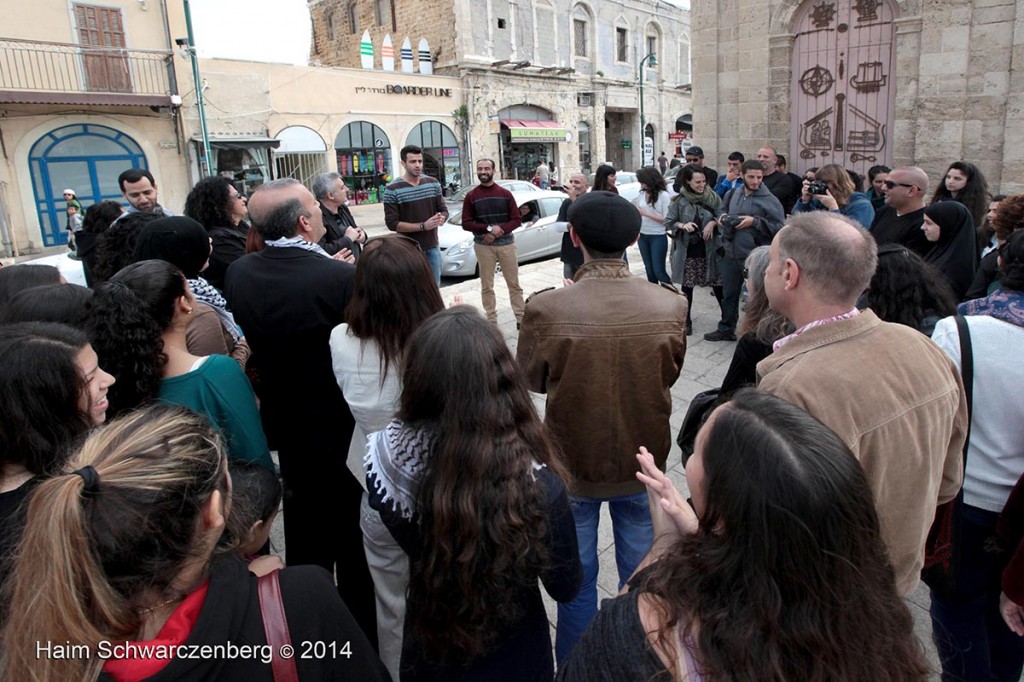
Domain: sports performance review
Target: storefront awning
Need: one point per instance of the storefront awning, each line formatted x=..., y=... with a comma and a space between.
x=218, y=142
x=534, y=131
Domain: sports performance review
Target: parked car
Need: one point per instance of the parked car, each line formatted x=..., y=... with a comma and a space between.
x=540, y=239
x=621, y=178
x=454, y=202
x=70, y=269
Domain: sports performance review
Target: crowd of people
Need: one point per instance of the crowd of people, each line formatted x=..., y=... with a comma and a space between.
x=867, y=436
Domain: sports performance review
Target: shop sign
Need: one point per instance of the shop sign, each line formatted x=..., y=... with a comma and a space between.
x=677, y=136
x=627, y=144
x=537, y=134
x=449, y=152
x=406, y=90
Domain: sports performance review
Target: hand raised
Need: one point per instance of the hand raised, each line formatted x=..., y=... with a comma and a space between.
x=671, y=514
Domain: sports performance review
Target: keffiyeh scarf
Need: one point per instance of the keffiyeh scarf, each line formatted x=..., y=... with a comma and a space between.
x=298, y=243
x=208, y=294
x=396, y=461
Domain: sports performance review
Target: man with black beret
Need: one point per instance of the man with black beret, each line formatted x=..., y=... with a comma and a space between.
x=606, y=351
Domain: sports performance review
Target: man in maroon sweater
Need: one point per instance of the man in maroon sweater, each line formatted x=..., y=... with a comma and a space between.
x=490, y=213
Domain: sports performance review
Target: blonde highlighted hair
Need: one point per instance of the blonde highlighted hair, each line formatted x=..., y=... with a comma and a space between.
x=95, y=558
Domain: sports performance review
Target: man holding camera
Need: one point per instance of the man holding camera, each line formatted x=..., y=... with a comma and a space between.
x=750, y=217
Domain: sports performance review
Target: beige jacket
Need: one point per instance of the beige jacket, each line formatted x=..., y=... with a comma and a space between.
x=896, y=399
x=606, y=350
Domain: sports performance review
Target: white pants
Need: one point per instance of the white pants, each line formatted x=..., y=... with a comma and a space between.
x=389, y=568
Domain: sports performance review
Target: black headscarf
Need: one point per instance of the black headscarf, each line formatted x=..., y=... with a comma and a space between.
x=955, y=255
x=180, y=241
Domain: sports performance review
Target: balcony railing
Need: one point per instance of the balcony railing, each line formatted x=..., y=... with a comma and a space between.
x=38, y=67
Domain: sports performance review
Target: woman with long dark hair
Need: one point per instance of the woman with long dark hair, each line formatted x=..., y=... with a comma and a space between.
x=908, y=291
x=394, y=294
x=954, y=253
x=964, y=183
x=16, y=278
x=119, y=559
x=64, y=303
x=604, y=179
x=52, y=391
x=115, y=247
x=139, y=326
x=777, y=572
x=98, y=218
x=652, y=202
x=468, y=482
x=216, y=205
x=690, y=223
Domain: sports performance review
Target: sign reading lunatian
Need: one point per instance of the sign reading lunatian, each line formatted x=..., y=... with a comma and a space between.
x=406, y=90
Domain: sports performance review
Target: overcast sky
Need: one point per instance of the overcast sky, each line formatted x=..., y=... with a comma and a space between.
x=260, y=30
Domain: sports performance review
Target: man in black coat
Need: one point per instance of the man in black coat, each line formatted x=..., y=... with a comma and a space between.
x=342, y=232
x=288, y=298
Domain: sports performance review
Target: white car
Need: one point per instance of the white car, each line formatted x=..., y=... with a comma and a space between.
x=70, y=269
x=540, y=239
x=454, y=202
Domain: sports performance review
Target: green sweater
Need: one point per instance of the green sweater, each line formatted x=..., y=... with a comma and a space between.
x=220, y=390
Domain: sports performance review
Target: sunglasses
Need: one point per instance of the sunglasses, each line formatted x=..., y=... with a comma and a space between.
x=892, y=183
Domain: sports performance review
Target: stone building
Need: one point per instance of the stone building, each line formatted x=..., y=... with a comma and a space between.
x=557, y=80
x=861, y=82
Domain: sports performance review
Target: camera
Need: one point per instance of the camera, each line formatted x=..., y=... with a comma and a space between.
x=817, y=187
x=730, y=222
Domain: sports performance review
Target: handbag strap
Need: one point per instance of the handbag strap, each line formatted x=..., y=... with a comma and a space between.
x=275, y=626
x=967, y=373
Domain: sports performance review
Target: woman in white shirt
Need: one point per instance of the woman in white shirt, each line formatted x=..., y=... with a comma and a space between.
x=394, y=293
x=653, y=205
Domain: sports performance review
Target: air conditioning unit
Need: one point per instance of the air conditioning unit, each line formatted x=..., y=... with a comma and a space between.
x=585, y=100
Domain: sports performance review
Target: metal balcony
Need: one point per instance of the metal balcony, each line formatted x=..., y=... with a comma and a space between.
x=38, y=72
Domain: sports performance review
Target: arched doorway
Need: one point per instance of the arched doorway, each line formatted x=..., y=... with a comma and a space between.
x=844, y=85
x=364, y=160
x=302, y=154
x=441, y=157
x=86, y=158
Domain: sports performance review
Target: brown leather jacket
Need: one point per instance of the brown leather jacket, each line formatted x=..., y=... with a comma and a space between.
x=606, y=350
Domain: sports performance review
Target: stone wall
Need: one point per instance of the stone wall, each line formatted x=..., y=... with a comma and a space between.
x=416, y=19
x=958, y=95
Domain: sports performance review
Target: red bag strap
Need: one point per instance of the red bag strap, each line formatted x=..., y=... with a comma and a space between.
x=275, y=626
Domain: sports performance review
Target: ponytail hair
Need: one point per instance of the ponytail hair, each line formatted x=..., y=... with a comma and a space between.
x=128, y=317
x=102, y=547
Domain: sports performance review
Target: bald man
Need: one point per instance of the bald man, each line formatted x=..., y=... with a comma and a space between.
x=571, y=256
x=288, y=298
x=900, y=220
x=785, y=188
x=890, y=393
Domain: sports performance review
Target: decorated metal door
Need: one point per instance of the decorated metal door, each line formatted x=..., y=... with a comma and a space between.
x=844, y=85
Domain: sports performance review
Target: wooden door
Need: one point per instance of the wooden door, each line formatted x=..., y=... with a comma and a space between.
x=106, y=68
x=844, y=85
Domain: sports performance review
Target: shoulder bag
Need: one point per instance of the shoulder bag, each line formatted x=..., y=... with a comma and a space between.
x=275, y=626
x=942, y=548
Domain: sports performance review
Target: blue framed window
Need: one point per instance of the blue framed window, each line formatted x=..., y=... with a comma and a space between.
x=86, y=158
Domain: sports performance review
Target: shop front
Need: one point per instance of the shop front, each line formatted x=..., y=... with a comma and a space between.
x=441, y=156
x=364, y=161
x=243, y=158
x=526, y=143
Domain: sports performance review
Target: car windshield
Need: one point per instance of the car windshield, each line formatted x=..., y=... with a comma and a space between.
x=455, y=218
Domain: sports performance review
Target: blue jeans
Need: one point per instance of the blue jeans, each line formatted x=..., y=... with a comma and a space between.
x=634, y=534
x=654, y=251
x=434, y=259
x=732, y=283
x=973, y=642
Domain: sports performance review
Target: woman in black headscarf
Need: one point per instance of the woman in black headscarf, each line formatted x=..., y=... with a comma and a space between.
x=949, y=227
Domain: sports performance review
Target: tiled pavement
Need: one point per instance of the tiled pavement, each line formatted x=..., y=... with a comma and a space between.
x=705, y=366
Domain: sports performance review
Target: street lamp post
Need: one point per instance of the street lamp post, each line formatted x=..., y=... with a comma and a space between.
x=204, y=165
x=653, y=61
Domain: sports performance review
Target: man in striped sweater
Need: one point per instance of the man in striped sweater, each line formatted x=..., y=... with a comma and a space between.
x=490, y=213
x=414, y=206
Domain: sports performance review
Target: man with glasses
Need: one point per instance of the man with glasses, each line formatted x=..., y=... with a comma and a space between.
x=900, y=220
x=695, y=157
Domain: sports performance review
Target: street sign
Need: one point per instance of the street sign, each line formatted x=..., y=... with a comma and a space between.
x=648, y=151
x=627, y=144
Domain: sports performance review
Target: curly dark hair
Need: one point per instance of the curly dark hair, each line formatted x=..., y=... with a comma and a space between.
x=40, y=392
x=208, y=201
x=115, y=248
x=99, y=217
x=906, y=290
x=1009, y=217
x=1011, y=270
x=787, y=576
x=974, y=195
x=481, y=512
x=126, y=324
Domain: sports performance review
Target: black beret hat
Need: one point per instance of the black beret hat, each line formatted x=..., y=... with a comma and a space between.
x=605, y=221
x=180, y=241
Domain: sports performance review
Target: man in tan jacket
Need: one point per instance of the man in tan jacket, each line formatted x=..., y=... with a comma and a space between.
x=890, y=393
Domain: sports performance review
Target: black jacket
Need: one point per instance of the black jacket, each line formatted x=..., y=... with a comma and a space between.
x=336, y=224
x=315, y=613
x=228, y=246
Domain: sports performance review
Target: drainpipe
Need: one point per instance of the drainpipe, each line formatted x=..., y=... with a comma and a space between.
x=204, y=168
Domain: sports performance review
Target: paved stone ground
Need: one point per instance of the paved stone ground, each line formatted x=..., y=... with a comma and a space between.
x=705, y=366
